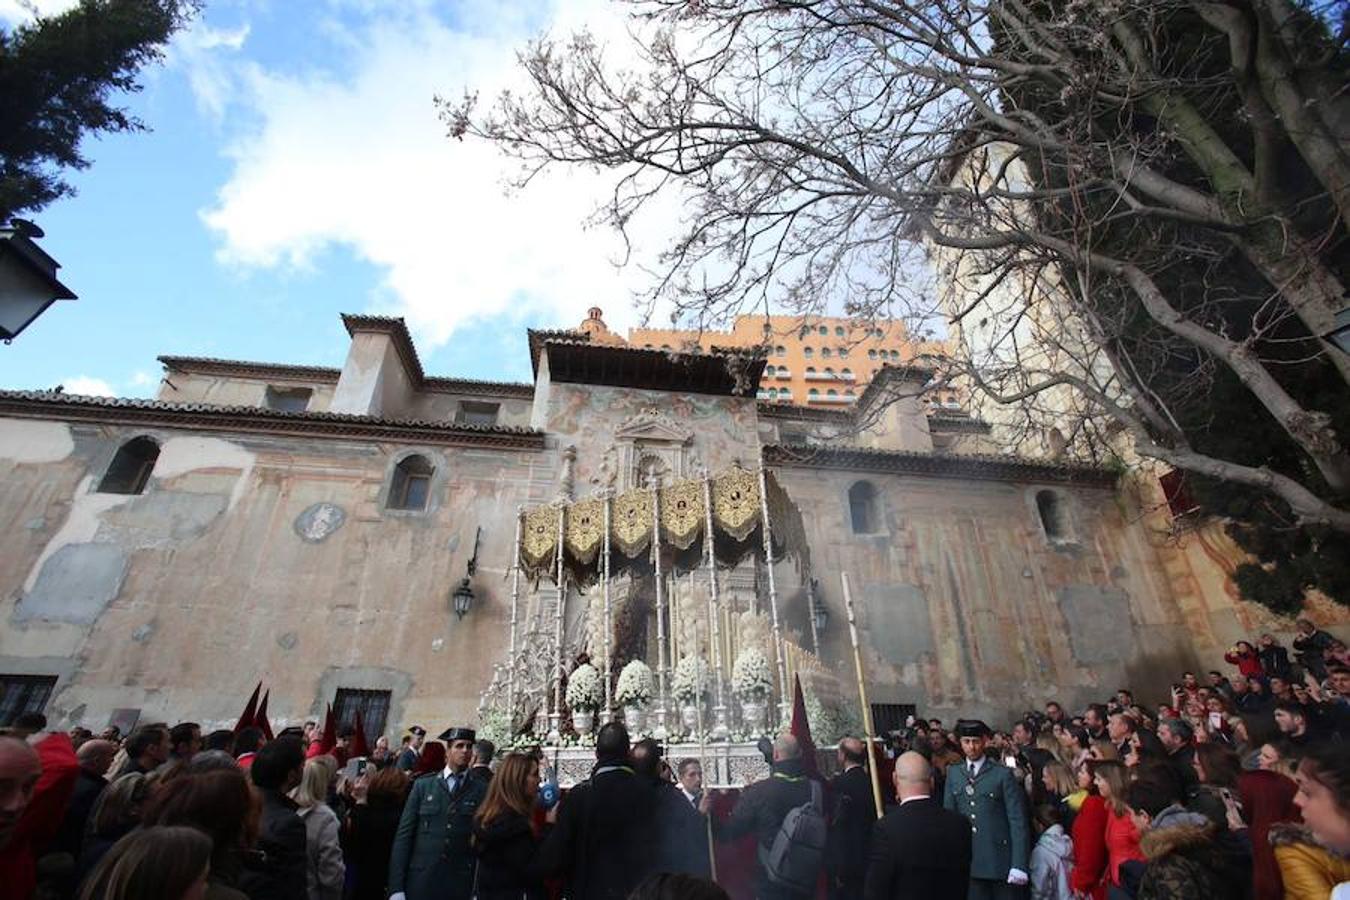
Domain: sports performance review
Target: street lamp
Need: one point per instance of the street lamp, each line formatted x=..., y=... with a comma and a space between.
x=462, y=597
x=821, y=614
x=28, y=282
x=1340, y=335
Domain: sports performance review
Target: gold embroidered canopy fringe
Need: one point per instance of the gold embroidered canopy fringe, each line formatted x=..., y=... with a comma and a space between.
x=735, y=520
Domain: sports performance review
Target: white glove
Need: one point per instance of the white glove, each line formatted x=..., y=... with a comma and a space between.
x=1015, y=876
x=399, y=896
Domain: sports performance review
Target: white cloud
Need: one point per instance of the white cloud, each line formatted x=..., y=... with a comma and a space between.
x=85, y=386
x=143, y=380
x=362, y=161
x=16, y=12
x=207, y=57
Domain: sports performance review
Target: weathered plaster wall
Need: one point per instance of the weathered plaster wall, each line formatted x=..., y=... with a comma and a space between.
x=184, y=387
x=965, y=606
x=255, y=556
x=228, y=569
x=441, y=406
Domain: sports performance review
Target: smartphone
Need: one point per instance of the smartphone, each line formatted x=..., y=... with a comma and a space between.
x=1010, y=761
x=356, y=767
x=548, y=789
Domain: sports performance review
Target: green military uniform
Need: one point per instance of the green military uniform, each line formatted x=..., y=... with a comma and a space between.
x=431, y=858
x=996, y=807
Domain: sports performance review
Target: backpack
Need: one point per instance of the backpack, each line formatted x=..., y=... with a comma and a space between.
x=798, y=850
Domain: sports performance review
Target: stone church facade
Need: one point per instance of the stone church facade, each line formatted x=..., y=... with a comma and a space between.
x=308, y=527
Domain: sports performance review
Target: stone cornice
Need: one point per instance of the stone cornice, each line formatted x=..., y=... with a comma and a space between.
x=198, y=416
x=238, y=368
x=949, y=423
x=937, y=465
x=277, y=371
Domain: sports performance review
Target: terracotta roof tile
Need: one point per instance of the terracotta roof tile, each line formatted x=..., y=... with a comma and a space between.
x=254, y=418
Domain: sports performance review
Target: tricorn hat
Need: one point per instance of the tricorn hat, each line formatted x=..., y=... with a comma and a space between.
x=418, y=730
x=455, y=733
x=971, y=728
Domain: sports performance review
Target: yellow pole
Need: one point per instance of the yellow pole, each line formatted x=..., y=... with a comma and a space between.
x=862, y=696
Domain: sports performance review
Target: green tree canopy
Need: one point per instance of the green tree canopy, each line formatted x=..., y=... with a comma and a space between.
x=58, y=77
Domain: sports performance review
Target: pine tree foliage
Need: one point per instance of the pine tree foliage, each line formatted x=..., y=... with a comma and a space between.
x=58, y=79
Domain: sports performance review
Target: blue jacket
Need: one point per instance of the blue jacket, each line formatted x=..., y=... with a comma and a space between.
x=996, y=807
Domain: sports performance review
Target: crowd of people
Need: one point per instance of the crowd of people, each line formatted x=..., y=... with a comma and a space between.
x=1234, y=787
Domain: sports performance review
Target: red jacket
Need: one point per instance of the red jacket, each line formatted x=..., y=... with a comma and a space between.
x=1248, y=664
x=40, y=821
x=1089, y=848
x=1122, y=843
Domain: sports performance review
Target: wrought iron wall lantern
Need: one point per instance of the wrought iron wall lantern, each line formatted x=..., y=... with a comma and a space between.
x=462, y=598
x=820, y=613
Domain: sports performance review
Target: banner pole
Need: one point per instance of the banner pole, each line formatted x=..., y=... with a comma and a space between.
x=862, y=697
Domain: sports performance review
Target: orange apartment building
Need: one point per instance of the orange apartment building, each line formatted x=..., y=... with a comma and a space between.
x=812, y=360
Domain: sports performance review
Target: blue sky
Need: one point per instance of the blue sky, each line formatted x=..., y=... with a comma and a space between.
x=296, y=170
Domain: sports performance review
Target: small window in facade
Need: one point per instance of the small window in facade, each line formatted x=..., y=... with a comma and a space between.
x=888, y=717
x=411, y=484
x=814, y=392
x=21, y=694
x=780, y=350
x=895, y=354
x=767, y=328
x=476, y=412
x=838, y=331
x=843, y=351
x=862, y=508
x=849, y=393
x=1053, y=516
x=291, y=400
x=130, y=469
x=822, y=330
x=810, y=370
x=769, y=370
x=665, y=347
x=829, y=371
x=846, y=371
x=831, y=393
x=808, y=352
x=872, y=354
x=825, y=353
x=373, y=706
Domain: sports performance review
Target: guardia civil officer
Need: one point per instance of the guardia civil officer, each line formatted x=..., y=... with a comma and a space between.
x=986, y=793
x=431, y=858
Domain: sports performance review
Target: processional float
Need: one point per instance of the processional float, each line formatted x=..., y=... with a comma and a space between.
x=686, y=529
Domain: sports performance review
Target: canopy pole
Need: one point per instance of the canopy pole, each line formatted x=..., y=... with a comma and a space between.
x=555, y=717
x=720, y=730
x=515, y=619
x=659, y=732
x=773, y=591
x=609, y=626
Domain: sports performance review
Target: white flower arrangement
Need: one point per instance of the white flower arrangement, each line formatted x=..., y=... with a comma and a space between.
x=584, y=688
x=636, y=684
x=692, y=680
x=750, y=676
